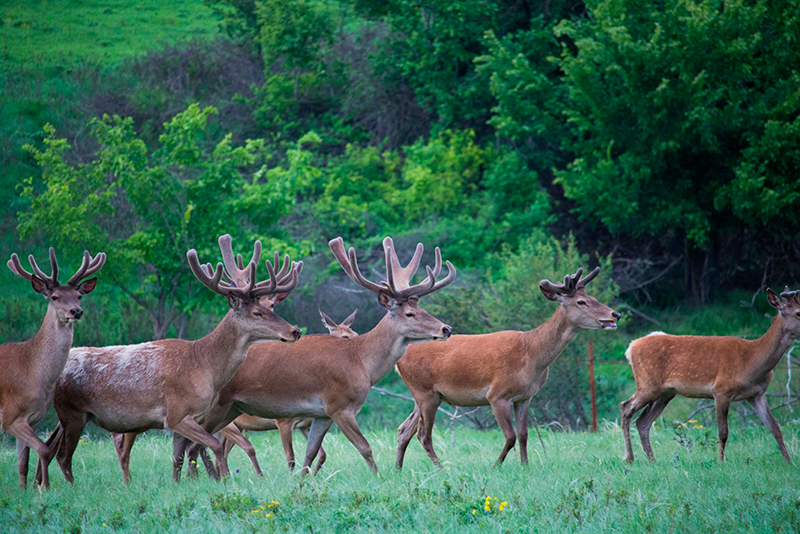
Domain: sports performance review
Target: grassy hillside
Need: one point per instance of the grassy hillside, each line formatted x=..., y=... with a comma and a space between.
x=104, y=31
x=577, y=484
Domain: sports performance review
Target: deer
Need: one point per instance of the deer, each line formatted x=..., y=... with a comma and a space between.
x=173, y=383
x=723, y=368
x=328, y=378
x=503, y=369
x=31, y=368
x=284, y=426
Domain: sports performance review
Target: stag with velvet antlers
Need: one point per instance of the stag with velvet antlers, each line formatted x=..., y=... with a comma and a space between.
x=31, y=368
x=232, y=435
x=328, y=378
x=723, y=368
x=173, y=383
x=503, y=369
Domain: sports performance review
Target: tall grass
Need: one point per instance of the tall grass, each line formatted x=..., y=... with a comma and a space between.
x=578, y=483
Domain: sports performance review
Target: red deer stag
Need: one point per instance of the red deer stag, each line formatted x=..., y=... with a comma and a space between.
x=327, y=378
x=284, y=426
x=723, y=368
x=173, y=383
x=503, y=369
x=30, y=369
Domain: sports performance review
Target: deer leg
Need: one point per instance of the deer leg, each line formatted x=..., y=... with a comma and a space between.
x=759, y=403
x=26, y=440
x=405, y=432
x=235, y=435
x=319, y=427
x=650, y=414
x=23, y=455
x=721, y=404
x=179, y=446
x=123, y=443
x=285, y=428
x=627, y=409
x=346, y=421
x=66, y=449
x=52, y=442
x=191, y=430
x=427, y=414
x=502, y=412
x=521, y=418
x=322, y=454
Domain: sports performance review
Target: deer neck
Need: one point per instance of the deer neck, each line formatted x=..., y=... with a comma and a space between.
x=50, y=347
x=547, y=341
x=224, y=349
x=380, y=348
x=770, y=348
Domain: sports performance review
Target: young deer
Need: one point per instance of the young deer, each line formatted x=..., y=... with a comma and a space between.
x=30, y=369
x=285, y=426
x=173, y=383
x=503, y=369
x=327, y=378
x=723, y=368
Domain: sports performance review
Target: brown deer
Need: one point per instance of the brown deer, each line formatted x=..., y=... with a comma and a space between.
x=173, y=383
x=723, y=368
x=30, y=369
x=503, y=369
x=328, y=378
x=284, y=426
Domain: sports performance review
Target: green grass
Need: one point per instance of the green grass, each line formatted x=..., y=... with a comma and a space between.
x=578, y=484
x=104, y=31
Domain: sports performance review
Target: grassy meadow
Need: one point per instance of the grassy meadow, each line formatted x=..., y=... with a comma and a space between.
x=578, y=483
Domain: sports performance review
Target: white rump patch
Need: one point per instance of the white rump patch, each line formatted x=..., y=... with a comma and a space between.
x=628, y=352
x=657, y=333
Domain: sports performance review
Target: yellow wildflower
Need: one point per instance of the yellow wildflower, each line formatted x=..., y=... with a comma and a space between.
x=254, y=511
x=503, y=505
x=473, y=511
x=269, y=515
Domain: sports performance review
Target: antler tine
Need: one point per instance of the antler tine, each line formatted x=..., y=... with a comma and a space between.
x=432, y=274
x=51, y=280
x=16, y=268
x=238, y=276
x=788, y=294
x=350, y=265
x=211, y=282
x=399, y=279
x=274, y=285
x=54, y=264
x=88, y=267
x=589, y=277
x=285, y=268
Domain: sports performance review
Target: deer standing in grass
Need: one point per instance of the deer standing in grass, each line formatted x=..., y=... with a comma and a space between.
x=503, y=369
x=723, y=368
x=30, y=369
x=173, y=383
x=284, y=426
x=328, y=378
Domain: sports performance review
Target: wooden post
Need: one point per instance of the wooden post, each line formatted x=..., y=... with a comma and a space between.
x=591, y=387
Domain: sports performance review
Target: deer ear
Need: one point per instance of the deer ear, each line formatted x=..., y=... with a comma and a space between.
x=233, y=301
x=329, y=324
x=549, y=295
x=87, y=286
x=774, y=300
x=350, y=318
x=280, y=297
x=39, y=286
x=387, y=301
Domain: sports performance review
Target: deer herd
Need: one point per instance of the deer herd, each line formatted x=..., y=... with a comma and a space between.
x=230, y=380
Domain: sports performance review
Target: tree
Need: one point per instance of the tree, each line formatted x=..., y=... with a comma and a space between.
x=146, y=208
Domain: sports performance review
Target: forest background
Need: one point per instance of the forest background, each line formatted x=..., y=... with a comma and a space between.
x=659, y=140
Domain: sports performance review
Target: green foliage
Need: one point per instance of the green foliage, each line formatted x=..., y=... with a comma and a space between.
x=179, y=196
x=663, y=99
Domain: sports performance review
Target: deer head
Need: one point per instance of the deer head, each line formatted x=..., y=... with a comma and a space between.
x=64, y=300
x=583, y=311
x=396, y=294
x=342, y=330
x=788, y=306
x=252, y=302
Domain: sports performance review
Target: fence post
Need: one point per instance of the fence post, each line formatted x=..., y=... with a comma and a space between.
x=591, y=387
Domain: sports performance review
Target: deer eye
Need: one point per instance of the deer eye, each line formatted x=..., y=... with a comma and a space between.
x=581, y=303
x=54, y=298
x=258, y=314
x=409, y=314
x=345, y=337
